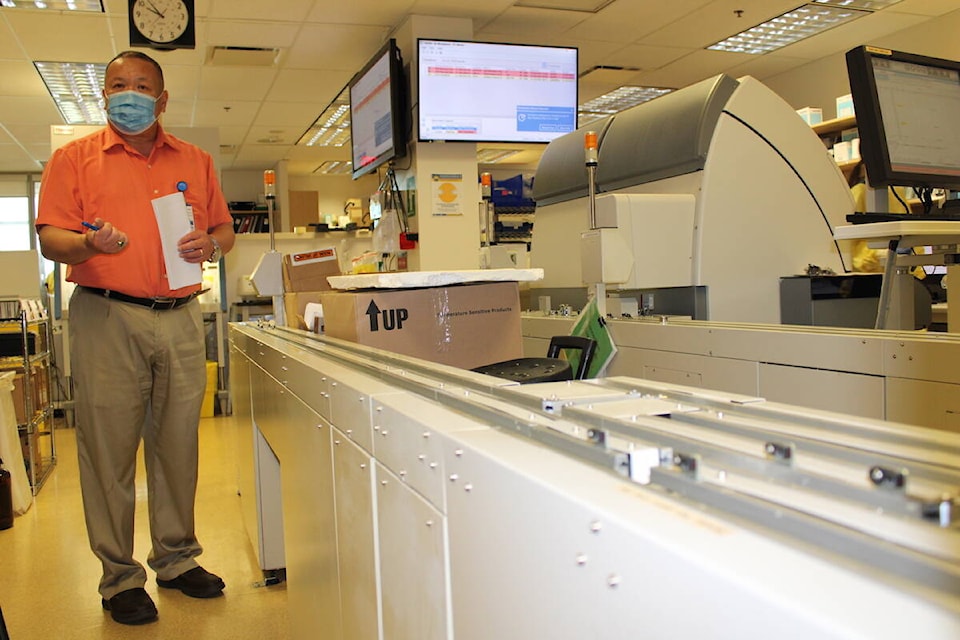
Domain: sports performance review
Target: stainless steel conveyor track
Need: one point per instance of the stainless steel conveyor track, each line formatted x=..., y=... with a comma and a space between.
x=880, y=494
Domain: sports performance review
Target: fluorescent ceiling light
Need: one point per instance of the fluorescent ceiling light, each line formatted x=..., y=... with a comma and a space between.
x=791, y=27
x=869, y=5
x=77, y=89
x=55, y=5
x=335, y=167
x=615, y=101
x=493, y=156
x=332, y=128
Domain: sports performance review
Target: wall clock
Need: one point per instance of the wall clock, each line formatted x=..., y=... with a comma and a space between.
x=162, y=24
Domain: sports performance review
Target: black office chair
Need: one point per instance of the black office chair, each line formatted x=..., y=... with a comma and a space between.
x=549, y=369
x=586, y=347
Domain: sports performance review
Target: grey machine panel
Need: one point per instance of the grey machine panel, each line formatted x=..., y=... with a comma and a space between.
x=659, y=139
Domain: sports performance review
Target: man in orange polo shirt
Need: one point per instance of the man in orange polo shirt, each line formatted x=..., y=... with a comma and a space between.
x=137, y=342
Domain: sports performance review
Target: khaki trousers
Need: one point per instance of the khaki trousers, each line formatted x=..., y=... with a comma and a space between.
x=138, y=374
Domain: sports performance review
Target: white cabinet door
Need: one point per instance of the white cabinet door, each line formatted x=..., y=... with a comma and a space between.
x=413, y=563
x=359, y=593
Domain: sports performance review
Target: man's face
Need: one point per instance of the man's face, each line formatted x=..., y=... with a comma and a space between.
x=133, y=74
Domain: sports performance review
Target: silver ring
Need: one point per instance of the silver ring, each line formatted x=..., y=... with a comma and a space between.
x=121, y=243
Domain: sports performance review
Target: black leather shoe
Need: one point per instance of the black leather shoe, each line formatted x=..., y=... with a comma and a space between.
x=196, y=583
x=132, y=606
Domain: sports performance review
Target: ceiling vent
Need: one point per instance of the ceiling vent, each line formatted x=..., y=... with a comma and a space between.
x=243, y=56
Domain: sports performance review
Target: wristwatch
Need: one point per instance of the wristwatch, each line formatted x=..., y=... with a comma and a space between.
x=217, y=252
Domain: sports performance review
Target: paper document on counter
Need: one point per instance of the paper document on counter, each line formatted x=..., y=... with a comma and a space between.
x=174, y=222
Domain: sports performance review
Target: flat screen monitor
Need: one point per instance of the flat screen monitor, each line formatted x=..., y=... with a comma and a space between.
x=908, y=113
x=377, y=118
x=489, y=92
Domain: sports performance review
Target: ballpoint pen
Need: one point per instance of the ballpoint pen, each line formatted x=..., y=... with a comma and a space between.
x=90, y=226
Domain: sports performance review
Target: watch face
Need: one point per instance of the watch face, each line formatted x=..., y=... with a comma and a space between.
x=160, y=20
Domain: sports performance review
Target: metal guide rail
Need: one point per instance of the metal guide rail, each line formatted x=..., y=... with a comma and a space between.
x=879, y=493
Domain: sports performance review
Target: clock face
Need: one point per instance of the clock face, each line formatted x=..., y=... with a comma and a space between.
x=160, y=20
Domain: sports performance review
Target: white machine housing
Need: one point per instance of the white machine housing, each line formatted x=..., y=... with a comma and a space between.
x=767, y=197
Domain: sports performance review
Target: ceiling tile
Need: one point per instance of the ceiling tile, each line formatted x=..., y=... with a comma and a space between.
x=31, y=133
x=387, y=13
x=696, y=66
x=344, y=48
x=29, y=110
x=771, y=64
x=285, y=10
x=235, y=83
x=22, y=79
x=298, y=115
x=532, y=23
x=14, y=159
x=627, y=20
x=225, y=113
x=62, y=37
x=260, y=33
x=308, y=85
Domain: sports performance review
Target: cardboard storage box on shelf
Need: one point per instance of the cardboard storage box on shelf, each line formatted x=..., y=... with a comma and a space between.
x=810, y=115
x=845, y=106
x=295, y=306
x=467, y=325
x=308, y=271
x=39, y=393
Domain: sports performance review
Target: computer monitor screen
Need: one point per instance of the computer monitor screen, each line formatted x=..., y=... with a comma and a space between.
x=377, y=131
x=490, y=92
x=907, y=108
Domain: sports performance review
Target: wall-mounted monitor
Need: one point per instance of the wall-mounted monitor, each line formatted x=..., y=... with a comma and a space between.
x=377, y=112
x=908, y=114
x=489, y=92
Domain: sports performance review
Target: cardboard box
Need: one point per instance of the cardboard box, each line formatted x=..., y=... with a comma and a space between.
x=810, y=115
x=464, y=326
x=845, y=106
x=308, y=271
x=19, y=399
x=295, y=305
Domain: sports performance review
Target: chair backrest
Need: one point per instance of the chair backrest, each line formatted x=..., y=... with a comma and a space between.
x=586, y=346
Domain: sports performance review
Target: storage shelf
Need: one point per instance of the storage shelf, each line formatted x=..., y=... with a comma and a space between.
x=32, y=395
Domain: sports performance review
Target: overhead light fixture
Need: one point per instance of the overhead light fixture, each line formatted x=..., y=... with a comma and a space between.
x=615, y=101
x=76, y=88
x=786, y=29
x=493, y=156
x=335, y=168
x=868, y=5
x=95, y=6
x=332, y=127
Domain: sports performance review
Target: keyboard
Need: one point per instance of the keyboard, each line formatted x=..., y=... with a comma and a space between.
x=867, y=218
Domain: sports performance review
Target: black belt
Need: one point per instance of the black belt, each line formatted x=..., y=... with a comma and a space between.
x=160, y=304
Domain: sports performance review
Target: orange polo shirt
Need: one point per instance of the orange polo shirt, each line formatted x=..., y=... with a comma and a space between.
x=101, y=176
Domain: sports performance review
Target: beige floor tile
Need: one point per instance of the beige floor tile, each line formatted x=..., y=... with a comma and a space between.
x=49, y=576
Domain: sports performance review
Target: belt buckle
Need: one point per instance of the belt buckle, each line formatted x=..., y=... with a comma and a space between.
x=163, y=303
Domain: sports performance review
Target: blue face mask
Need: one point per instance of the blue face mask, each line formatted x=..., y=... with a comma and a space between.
x=131, y=112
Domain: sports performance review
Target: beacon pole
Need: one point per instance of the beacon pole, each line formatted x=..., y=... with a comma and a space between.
x=267, y=276
x=486, y=210
x=598, y=289
x=590, y=155
x=270, y=193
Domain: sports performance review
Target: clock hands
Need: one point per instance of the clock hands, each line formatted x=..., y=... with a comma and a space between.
x=154, y=9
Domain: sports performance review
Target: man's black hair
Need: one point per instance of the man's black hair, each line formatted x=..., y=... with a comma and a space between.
x=142, y=56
